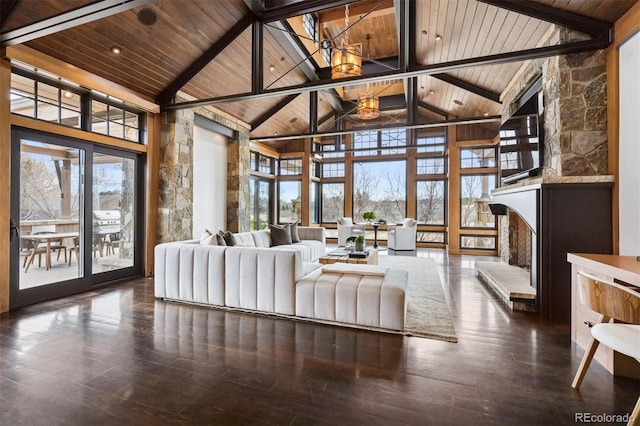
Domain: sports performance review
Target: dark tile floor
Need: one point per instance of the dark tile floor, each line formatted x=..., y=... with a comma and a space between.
x=117, y=356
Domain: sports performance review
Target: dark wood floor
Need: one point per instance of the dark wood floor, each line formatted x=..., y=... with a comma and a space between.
x=117, y=356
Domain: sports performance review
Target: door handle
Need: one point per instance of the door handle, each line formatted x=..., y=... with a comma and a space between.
x=13, y=229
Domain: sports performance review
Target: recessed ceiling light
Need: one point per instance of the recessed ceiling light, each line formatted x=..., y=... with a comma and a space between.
x=293, y=120
x=457, y=102
x=438, y=37
x=116, y=49
x=422, y=87
x=275, y=133
x=147, y=16
x=431, y=92
x=67, y=94
x=282, y=58
x=486, y=114
x=272, y=68
x=424, y=32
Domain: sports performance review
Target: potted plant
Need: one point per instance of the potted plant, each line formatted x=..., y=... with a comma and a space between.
x=359, y=243
x=369, y=216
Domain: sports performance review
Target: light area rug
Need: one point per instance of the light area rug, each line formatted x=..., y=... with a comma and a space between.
x=428, y=312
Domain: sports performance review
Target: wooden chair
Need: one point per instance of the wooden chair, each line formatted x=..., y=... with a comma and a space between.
x=112, y=242
x=612, y=301
x=74, y=249
x=26, y=249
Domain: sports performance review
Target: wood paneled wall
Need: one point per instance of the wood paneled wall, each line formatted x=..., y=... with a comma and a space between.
x=5, y=180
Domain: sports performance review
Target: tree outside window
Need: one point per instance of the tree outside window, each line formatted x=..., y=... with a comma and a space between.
x=380, y=187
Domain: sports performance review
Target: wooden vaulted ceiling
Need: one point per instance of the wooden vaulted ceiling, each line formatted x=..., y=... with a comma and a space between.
x=155, y=56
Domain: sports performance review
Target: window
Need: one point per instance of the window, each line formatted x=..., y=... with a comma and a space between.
x=430, y=237
x=289, y=201
x=478, y=242
x=309, y=22
x=313, y=202
x=328, y=148
x=430, y=166
x=474, y=203
x=430, y=202
x=392, y=138
x=43, y=96
x=291, y=167
x=380, y=187
x=431, y=144
x=477, y=157
x=332, y=202
x=265, y=164
x=362, y=140
x=330, y=170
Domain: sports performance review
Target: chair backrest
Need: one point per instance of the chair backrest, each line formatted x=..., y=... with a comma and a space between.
x=608, y=298
x=409, y=222
x=345, y=221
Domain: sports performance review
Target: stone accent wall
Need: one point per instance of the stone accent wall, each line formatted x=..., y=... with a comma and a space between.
x=175, y=206
x=574, y=88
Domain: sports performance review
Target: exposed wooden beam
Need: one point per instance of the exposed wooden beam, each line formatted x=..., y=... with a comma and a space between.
x=456, y=121
x=64, y=21
x=257, y=57
x=433, y=109
x=469, y=87
x=192, y=70
x=8, y=6
x=272, y=111
x=500, y=58
x=313, y=111
x=577, y=22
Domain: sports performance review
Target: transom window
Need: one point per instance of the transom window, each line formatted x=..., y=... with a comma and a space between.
x=291, y=166
x=431, y=144
x=332, y=170
x=385, y=142
x=430, y=166
x=477, y=157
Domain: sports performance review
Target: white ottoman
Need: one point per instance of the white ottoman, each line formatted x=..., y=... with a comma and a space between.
x=354, y=294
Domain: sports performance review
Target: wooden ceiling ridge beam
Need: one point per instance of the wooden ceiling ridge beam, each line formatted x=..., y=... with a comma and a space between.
x=469, y=87
x=273, y=110
x=585, y=24
x=375, y=127
x=73, y=18
x=209, y=55
x=430, y=69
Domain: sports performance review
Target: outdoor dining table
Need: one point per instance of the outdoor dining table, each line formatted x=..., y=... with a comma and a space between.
x=46, y=238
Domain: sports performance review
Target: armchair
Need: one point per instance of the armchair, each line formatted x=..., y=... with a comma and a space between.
x=346, y=229
x=403, y=237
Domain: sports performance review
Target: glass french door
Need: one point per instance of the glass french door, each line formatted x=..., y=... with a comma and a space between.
x=75, y=207
x=260, y=203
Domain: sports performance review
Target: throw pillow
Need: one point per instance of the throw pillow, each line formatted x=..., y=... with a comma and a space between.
x=228, y=237
x=295, y=238
x=220, y=238
x=280, y=235
x=207, y=238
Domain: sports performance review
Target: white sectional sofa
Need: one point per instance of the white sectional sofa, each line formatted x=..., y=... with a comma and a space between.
x=277, y=280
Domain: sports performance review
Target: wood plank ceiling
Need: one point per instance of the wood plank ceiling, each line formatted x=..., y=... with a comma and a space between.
x=154, y=55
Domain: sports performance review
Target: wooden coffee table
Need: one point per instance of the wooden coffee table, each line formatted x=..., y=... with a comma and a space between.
x=340, y=256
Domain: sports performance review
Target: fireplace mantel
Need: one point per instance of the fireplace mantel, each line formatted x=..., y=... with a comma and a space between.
x=565, y=214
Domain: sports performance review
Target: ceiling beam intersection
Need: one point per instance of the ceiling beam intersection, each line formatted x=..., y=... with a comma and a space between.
x=8, y=7
x=469, y=87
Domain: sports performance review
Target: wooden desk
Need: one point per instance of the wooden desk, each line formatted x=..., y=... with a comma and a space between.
x=613, y=268
x=46, y=238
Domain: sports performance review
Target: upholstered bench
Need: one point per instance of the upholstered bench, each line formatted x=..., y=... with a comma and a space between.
x=354, y=294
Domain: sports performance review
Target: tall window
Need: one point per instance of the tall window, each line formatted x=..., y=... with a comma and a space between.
x=474, y=204
x=332, y=201
x=380, y=187
x=430, y=205
x=289, y=201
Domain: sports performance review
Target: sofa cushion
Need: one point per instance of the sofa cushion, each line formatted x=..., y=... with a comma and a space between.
x=280, y=235
x=262, y=238
x=245, y=238
x=310, y=250
x=295, y=238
